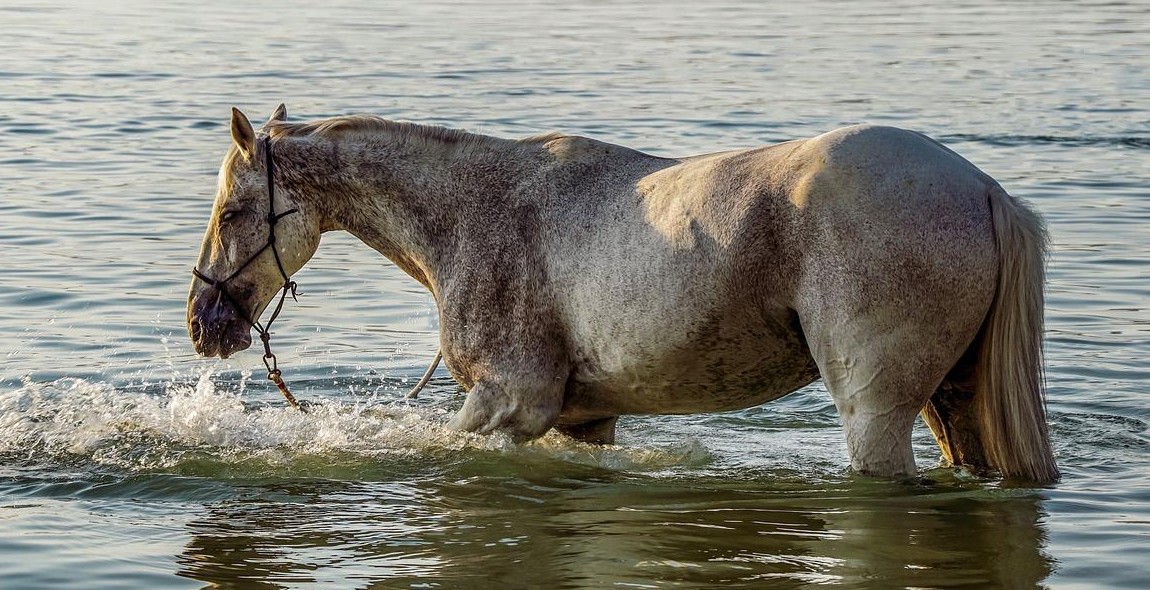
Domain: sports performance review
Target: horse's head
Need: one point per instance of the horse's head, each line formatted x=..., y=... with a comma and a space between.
x=241, y=267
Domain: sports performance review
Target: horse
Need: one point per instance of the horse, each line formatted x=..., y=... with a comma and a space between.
x=578, y=281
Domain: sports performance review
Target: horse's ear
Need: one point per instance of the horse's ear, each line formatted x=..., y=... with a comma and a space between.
x=280, y=113
x=243, y=134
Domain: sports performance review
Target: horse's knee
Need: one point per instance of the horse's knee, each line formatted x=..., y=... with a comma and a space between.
x=523, y=410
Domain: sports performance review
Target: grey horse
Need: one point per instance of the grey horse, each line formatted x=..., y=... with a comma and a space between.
x=578, y=281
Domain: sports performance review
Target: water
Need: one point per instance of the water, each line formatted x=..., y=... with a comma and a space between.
x=128, y=462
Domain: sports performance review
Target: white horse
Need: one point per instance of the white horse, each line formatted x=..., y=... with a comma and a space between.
x=578, y=281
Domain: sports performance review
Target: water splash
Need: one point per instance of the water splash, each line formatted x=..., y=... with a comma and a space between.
x=202, y=427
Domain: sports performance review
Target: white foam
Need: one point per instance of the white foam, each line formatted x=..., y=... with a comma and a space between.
x=137, y=429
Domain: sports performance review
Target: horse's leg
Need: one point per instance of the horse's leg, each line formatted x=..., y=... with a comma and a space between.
x=878, y=391
x=525, y=407
x=889, y=305
x=596, y=432
x=883, y=365
x=953, y=419
x=952, y=416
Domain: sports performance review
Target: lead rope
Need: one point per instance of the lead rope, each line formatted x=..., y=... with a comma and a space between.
x=270, y=361
x=426, y=375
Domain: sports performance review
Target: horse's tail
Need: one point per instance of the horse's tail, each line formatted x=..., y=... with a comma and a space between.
x=1009, y=374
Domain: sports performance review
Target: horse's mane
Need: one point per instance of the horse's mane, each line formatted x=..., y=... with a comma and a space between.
x=351, y=125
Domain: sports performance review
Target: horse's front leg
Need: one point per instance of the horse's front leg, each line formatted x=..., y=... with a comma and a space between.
x=501, y=338
x=524, y=406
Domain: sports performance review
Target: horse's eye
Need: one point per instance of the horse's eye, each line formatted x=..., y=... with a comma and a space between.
x=228, y=215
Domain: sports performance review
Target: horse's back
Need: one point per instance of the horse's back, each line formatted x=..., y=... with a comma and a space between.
x=716, y=226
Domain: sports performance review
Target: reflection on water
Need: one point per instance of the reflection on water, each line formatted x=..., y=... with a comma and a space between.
x=363, y=494
x=524, y=532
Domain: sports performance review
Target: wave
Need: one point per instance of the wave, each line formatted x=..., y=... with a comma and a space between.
x=1133, y=142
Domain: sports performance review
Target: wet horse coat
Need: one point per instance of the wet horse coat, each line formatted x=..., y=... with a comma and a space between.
x=578, y=281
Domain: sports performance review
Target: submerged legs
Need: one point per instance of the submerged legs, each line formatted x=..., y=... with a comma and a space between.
x=524, y=408
x=596, y=432
x=877, y=405
x=880, y=377
x=526, y=412
x=952, y=415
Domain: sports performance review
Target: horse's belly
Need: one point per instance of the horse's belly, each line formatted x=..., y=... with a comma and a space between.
x=732, y=365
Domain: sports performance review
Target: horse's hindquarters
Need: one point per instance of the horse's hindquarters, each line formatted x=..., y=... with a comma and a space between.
x=900, y=270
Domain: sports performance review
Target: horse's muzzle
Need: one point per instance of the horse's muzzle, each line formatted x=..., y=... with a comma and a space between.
x=214, y=326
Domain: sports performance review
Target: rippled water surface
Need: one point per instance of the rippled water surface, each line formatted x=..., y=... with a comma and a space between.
x=128, y=462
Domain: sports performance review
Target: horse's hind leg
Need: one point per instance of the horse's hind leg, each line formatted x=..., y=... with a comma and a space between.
x=878, y=391
x=952, y=415
x=596, y=432
x=881, y=368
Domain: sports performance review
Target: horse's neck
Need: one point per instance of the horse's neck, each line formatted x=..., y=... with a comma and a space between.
x=406, y=196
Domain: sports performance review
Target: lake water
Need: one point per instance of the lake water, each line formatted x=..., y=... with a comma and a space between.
x=128, y=462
